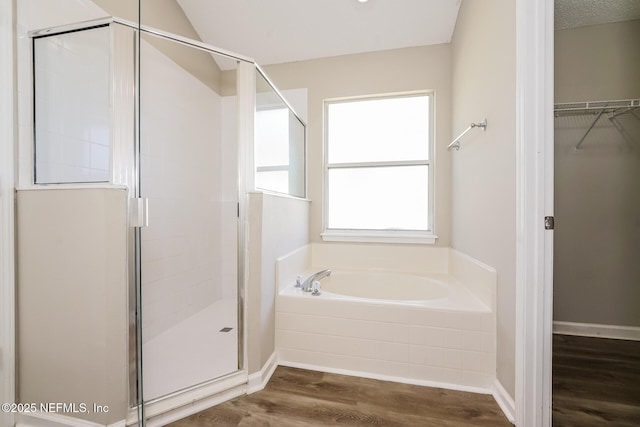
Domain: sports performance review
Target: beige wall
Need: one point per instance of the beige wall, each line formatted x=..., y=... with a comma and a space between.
x=167, y=15
x=483, y=177
x=597, y=62
x=277, y=226
x=399, y=70
x=597, y=203
x=72, y=299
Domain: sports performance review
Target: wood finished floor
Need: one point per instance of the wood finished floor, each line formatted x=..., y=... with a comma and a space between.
x=296, y=397
x=596, y=382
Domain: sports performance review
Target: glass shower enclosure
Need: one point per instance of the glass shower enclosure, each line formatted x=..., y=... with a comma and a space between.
x=170, y=121
x=186, y=130
x=188, y=251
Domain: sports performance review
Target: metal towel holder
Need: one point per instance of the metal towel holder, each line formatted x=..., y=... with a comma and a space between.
x=456, y=142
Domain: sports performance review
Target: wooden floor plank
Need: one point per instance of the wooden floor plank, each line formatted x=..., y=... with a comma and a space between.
x=433, y=403
x=596, y=382
x=296, y=397
x=312, y=383
x=571, y=411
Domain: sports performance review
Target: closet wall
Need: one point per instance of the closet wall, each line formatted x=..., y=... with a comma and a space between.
x=597, y=201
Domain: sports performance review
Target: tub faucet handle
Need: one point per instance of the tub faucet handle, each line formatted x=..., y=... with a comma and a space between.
x=298, y=281
x=316, y=288
x=308, y=282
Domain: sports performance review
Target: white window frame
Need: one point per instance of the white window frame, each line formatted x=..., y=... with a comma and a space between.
x=381, y=236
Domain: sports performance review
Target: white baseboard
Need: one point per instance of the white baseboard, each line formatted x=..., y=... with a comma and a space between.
x=505, y=401
x=631, y=333
x=42, y=419
x=374, y=376
x=258, y=380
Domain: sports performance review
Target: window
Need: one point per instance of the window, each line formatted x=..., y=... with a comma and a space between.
x=378, y=171
x=279, y=143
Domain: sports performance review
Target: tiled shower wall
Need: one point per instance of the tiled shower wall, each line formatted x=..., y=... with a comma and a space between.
x=181, y=174
x=72, y=107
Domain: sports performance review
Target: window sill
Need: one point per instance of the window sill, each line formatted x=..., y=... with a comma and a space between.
x=379, y=237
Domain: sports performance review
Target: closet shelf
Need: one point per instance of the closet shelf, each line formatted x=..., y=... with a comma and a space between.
x=595, y=107
x=612, y=108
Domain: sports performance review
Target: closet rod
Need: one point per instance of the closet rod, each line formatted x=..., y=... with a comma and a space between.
x=629, y=110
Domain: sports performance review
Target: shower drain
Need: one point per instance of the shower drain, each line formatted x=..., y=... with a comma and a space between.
x=227, y=329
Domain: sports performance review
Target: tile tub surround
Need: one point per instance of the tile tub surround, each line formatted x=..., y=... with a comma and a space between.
x=451, y=345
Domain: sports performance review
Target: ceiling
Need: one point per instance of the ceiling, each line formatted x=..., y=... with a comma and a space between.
x=277, y=31
x=580, y=13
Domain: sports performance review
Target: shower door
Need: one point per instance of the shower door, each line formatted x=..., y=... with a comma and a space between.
x=187, y=252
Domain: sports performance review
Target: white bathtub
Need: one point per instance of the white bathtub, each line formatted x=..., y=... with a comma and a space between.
x=392, y=288
x=382, y=285
x=424, y=326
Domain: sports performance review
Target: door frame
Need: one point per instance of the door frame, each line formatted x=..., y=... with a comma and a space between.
x=534, y=252
x=8, y=127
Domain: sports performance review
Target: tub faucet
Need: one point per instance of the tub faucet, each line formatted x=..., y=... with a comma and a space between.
x=306, y=285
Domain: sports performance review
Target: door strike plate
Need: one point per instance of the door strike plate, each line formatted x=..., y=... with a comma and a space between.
x=549, y=223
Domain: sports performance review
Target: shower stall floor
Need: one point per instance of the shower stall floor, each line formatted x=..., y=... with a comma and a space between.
x=194, y=351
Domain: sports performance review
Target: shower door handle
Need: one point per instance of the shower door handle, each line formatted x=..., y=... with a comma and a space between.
x=139, y=212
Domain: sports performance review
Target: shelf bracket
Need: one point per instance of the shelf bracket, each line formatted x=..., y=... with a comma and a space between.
x=590, y=127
